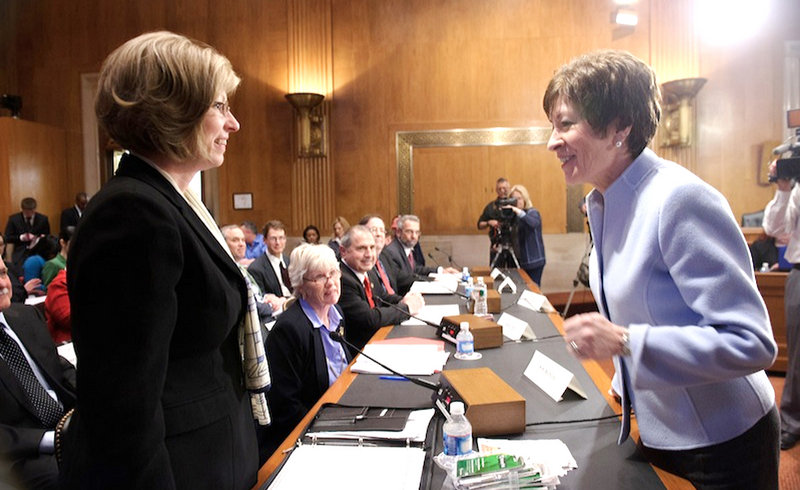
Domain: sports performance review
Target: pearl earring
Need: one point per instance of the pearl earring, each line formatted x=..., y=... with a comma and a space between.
x=618, y=144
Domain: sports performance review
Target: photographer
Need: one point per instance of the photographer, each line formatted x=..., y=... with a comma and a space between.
x=526, y=233
x=781, y=216
x=492, y=215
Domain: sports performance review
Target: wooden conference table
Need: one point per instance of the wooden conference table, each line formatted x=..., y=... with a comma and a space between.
x=593, y=444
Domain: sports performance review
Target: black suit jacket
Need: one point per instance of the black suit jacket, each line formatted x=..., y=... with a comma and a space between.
x=265, y=276
x=20, y=430
x=363, y=321
x=17, y=226
x=156, y=303
x=69, y=217
x=299, y=372
x=394, y=257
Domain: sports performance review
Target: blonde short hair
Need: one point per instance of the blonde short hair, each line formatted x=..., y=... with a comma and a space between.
x=306, y=257
x=154, y=90
x=525, y=196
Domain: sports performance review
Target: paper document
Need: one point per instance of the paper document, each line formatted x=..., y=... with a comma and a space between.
x=411, y=360
x=435, y=287
x=351, y=468
x=415, y=430
x=35, y=300
x=433, y=313
x=552, y=454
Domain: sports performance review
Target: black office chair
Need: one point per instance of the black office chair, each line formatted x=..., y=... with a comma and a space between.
x=750, y=220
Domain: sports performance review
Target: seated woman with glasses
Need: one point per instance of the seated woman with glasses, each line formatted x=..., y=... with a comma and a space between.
x=303, y=359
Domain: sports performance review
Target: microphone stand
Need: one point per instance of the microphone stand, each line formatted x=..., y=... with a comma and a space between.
x=442, y=395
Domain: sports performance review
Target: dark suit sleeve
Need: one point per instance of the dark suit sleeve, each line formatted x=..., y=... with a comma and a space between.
x=20, y=432
x=124, y=308
x=393, y=262
x=13, y=229
x=363, y=321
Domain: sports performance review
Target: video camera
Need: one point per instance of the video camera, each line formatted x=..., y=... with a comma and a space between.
x=789, y=168
x=507, y=213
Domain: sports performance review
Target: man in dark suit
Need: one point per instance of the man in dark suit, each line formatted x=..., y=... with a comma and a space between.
x=363, y=297
x=270, y=268
x=26, y=435
x=24, y=227
x=71, y=215
x=405, y=256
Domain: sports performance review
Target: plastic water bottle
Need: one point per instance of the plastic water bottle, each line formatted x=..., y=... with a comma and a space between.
x=468, y=290
x=465, y=275
x=481, y=306
x=457, y=432
x=465, y=342
x=764, y=267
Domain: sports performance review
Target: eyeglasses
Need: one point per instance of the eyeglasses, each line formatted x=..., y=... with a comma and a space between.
x=276, y=239
x=223, y=107
x=375, y=229
x=324, y=278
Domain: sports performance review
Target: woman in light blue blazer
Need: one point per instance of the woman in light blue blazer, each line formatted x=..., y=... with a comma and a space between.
x=679, y=309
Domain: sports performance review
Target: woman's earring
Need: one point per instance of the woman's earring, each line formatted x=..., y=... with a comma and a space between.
x=618, y=144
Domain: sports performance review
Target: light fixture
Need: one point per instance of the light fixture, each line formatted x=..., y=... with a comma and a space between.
x=310, y=125
x=678, y=110
x=626, y=17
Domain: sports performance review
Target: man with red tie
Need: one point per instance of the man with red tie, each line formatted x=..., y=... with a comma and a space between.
x=375, y=225
x=363, y=298
x=405, y=257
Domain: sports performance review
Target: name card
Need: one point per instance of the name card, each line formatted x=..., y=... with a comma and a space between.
x=552, y=377
x=513, y=327
x=507, y=286
x=496, y=272
x=531, y=300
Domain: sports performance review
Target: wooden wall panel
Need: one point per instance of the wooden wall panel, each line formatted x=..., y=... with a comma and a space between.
x=394, y=65
x=32, y=163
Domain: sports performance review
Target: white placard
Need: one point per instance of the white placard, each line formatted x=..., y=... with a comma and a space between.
x=552, y=378
x=496, y=272
x=513, y=327
x=531, y=300
x=507, y=283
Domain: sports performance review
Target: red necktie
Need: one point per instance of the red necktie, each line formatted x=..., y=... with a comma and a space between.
x=387, y=285
x=411, y=258
x=368, y=289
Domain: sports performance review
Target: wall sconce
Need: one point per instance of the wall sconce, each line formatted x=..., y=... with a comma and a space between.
x=310, y=133
x=626, y=17
x=679, y=111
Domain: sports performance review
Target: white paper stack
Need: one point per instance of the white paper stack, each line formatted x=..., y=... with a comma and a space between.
x=409, y=359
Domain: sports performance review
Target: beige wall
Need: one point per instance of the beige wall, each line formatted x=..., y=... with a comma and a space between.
x=403, y=65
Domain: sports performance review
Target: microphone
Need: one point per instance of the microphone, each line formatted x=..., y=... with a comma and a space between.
x=335, y=336
x=449, y=257
x=782, y=148
x=430, y=256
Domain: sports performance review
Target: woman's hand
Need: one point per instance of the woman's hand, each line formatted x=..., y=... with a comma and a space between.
x=592, y=336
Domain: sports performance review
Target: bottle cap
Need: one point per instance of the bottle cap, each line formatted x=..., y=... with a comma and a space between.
x=480, y=279
x=457, y=408
x=465, y=270
x=464, y=326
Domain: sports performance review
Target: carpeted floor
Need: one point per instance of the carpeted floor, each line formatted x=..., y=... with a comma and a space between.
x=790, y=460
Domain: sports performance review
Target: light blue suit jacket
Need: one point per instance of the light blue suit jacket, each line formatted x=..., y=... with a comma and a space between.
x=672, y=265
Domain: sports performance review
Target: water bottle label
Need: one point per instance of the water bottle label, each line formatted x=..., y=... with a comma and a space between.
x=457, y=445
x=466, y=346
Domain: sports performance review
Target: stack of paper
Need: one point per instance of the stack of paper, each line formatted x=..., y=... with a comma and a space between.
x=435, y=287
x=409, y=359
x=433, y=314
x=415, y=430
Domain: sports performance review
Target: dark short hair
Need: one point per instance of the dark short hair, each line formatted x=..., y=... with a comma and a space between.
x=365, y=219
x=610, y=87
x=66, y=234
x=347, y=238
x=28, y=203
x=309, y=228
x=273, y=225
x=250, y=226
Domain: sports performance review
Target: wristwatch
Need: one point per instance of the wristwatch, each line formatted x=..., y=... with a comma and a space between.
x=626, y=343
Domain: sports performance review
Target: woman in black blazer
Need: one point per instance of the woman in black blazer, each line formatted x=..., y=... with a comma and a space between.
x=303, y=359
x=157, y=300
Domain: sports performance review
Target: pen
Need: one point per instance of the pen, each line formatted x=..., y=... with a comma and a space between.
x=394, y=378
